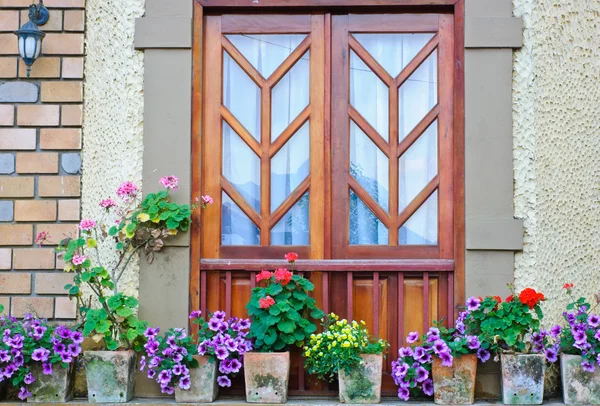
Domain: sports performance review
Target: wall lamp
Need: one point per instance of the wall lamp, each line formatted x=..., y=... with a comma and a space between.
x=30, y=36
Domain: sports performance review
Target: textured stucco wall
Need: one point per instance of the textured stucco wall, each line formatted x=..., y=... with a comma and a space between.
x=556, y=99
x=113, y=113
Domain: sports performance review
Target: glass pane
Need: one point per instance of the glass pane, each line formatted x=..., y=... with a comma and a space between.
x=369, y=166
x=236, y=227
x=290, y=96
x=393, y=51
x=369, y=95
x=241, y=96
x=266, y=51
x=422, y=227
x=418, y=95
x=290, y=166
x=365, y=227
x=241, y=167
x=292, y=229
x=417, y=166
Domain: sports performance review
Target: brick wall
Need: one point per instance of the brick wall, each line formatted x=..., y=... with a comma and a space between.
x=40, y=162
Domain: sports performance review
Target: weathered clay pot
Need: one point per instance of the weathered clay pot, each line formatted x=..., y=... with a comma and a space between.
x=579, y=387
x=204, y=388
x=267, y=375
x=57, y=387
x=363, y=383
x=455, y=385
x=523, y=378
x=110, y=375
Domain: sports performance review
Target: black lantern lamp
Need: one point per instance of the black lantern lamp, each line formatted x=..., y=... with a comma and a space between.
x=30, y=36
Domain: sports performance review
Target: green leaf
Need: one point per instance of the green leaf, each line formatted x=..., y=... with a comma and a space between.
x=317, y=314
x=271, y=320
x=91, y=243
x=103, y=326
x=113, y=231
x=287, y=326
x=274, y=289
x=111, y=344
x=89, y=326
x=270, y=337
x=132, y=334
x=74, y=290
x=119, y=246
x=131, y=301
x=164, y=215
x=172, y=224
x=124, y=311
x=113, y=302
x=86, y=276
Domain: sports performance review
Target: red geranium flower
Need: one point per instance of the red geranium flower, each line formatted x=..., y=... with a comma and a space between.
x=263, y=275
x=283, y=276
x=266, y=302
x=530, y=297
x=509, y=299
x=291, y=257
x=568, y=286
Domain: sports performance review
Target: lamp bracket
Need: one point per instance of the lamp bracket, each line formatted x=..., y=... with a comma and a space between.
x=38, y=13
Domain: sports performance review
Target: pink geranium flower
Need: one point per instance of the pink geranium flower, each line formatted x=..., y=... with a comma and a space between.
x=170, y=182
x=79, y=259
x=127, y=190
x=107, y=203
x=87, y=225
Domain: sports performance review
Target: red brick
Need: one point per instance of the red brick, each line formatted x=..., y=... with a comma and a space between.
x=37, y=162
x=65, y=3
x=65, y=308
x=69, y=210
x=60, y=44
x=15, y=3
x=52, y=283
x=17, y=138
x=59, y=186
x=5, y=258
x=38, y=115
x=44, y=67
x=60, y=138
x=72, y=68
x=16, y=234
x=7, y=114
x=72, y=115
x=33, y=258
x=57, y=232
x=8, y=67
x=9, y=20
x=8, y=44
x=38, y=306
x=74, y=20
x=15, y=282
x=12, y=186
x=55, y=22
x=35, y=210
x=62, y=91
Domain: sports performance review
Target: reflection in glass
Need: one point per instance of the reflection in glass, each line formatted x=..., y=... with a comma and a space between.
x=369, y=95
x=393, y=51
x=417, y=166
x=365, y=227
x=241, y=96
x=236, y=227
x=290, y=96
x=422, y=227
x=418, y=95
x=266, y=51
x=369, y=166
x=290, y=166
x=241, y=167
x=292, y=229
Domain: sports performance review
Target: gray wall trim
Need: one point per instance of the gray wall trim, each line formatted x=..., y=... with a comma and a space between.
x=163, y=32
x=492, y=233
x=493, y=32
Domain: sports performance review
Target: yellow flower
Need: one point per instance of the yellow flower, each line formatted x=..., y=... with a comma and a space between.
x=312, y=336
x=172, y=232
x=345, y=344
x=363, y=323
x=333, y=344
x=355, y=345
x=320, y=354
x=143, y=217
x=68, y=268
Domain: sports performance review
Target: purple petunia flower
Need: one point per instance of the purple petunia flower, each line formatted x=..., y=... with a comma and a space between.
x=403, y=393
x=154, y=362
x=551, y=355
x=483, y=354
x=221, y=353
x=537, y=338
x=412, y=337
x=60, y=348
x=29, y=379
x=4, y=356
x=168, y=390
x=555, y=331
x=142, y=362
x=570, y=317
x=77, y=337
x=225, y=367
x=151, y=347
x=244, y=324
x=579, y=336
x=74, y=349
x=171, y=342
x=151, y=332
x=446, y=358
x=593, y=320
x=224, y=327
x=202, y=349
x=405, y=352
x=587, y=366
x=473, y=342
x=224, y=381
x=419, y=353
x=40, y=354
x=231, y=344
x=151, y=373
x=428, y=387
x=433, y=334
x=164, y=377
x=24, y=393
x=177, y=357
x=219, y=315
x=422, y=374
x=473, y=303
x=177, y=369
x=47, y=368
x=19, y=360
x=439, y=346
x=185, y=382
x=64, y=333
x=195, y=314
x=401, y=370
x=66, y=357
x=214, y=324
x=235, y=365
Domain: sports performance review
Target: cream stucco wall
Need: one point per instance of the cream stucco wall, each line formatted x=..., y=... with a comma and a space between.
x=556, y=119
x=113, y=113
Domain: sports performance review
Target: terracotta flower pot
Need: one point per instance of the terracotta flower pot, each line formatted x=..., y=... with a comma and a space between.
x=455, y=385
x=110, y=375
x=363, y=383
x=267, y=375
x=57, y=387
x=523, y=378
x=579, y=387
x=204, y=388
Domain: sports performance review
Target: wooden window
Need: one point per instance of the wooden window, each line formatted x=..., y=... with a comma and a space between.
x=338, y=137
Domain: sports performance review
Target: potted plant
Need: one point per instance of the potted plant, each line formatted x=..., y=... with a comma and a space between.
x=442, y=363
x=580, y=346
x=108, y=316
x=281, y=311
x=39, y=358
x=512, y=329
x=346, y=350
